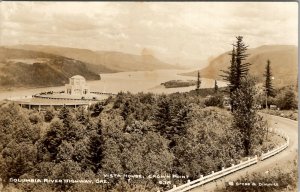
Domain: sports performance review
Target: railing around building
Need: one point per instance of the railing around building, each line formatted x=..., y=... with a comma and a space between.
x=19, y=97
x=102, y=93
x=45, y=96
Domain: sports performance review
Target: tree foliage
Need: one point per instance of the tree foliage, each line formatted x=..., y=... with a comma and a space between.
x=49, y=114
x=242, y=67
x=244, y=115
x=238, y=68
x=268, y=81
x=216, y=86
x=126, y=134
x=215, y=100
x=286, y=99
x=198, y=81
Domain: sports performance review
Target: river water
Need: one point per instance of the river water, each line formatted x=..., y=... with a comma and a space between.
x=137, y=81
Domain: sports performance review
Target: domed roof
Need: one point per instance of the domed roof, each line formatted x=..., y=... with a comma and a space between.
x=77, y=77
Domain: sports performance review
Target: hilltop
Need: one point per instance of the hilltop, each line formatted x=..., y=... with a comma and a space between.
x=105, y=61
x=283, y=63
x=22, y=68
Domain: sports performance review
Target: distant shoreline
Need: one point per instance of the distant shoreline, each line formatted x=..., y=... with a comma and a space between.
x=134, y=82
x=3, y=90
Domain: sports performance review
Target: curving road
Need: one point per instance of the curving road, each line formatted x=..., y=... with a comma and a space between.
x=281, y=159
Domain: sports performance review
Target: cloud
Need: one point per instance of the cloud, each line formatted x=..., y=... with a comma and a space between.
x=186, y=32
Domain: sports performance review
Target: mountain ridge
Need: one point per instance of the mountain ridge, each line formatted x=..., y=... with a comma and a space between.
x=42, y=69
x=104, y=61
x=283, y=59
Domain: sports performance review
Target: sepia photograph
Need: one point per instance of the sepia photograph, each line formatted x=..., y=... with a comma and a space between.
x=148, y=96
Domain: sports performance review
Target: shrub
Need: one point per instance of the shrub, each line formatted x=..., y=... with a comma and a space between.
x=49, y=114
x=286, y=178
x=215, y=101
x=35, y=118
x=286, y=99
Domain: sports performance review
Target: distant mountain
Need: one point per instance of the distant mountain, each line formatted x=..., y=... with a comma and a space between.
x=105, y=61
x=22, y=68
x=284, y=64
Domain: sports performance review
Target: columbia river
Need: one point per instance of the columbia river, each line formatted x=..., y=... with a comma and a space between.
x=137, y=81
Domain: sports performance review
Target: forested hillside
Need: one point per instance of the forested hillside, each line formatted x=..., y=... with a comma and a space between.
x=141, y=134
x=20, y=68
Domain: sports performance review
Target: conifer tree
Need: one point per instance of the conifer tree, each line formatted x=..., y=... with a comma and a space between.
x=237, y=70
x=229, y=75
x=163, y=116
x=180, y=120
x=244, y=116
x=95, y=146
x=198, y=81
x=242, y=68
x=82, y=116
x=268, y=83
x=65, y=116
x=216, y=86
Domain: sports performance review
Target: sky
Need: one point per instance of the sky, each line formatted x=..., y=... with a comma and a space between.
x=185, y=33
